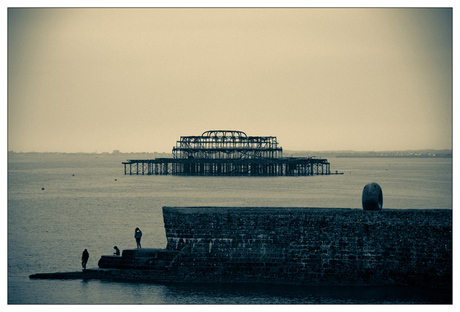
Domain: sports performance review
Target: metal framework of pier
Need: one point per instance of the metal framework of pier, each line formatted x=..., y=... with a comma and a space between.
x=228, y=153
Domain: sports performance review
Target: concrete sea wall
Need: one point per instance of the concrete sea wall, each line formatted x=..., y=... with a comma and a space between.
x=310, y=246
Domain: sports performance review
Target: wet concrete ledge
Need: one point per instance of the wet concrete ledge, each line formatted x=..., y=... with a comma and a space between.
x=84, y=274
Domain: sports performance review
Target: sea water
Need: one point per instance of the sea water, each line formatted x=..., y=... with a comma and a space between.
x=60, y=204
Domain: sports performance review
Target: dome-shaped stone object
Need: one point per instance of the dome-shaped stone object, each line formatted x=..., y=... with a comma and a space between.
x=372, y=197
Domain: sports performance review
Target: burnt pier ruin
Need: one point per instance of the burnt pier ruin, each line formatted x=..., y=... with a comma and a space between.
x=228, y=153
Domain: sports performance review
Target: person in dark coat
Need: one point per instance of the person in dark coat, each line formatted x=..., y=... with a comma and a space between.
x=117, y=251
x=137, y=236
x=84, y=258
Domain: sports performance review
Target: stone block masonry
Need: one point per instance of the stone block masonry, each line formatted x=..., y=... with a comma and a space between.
x=310, y=246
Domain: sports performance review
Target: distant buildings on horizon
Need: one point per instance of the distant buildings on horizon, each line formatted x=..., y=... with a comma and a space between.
x=408, y=153
x=427, y=153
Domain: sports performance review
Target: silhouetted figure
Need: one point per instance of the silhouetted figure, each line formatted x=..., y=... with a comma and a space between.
x=137, y=236
x=117, y=251
x=84, y=258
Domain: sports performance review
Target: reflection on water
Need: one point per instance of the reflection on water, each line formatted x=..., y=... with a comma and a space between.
x=105, y=292
x=269, y=294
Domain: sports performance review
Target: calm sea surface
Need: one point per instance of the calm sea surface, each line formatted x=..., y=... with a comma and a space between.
x=87, y=202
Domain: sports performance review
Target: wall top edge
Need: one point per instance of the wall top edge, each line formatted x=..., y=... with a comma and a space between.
x=195, y=209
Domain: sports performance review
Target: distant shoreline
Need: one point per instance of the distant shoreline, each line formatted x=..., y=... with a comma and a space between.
x=394, y=154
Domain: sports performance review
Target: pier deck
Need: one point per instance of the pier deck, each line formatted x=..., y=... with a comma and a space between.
x=287, y=166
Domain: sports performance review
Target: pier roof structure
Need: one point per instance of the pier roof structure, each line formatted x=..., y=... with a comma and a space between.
x=227, y=144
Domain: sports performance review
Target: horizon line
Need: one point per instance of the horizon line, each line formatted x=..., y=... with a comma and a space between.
x=290, y=150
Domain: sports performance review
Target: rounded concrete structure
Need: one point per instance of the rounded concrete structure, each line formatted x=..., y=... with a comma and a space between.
x=372, y=197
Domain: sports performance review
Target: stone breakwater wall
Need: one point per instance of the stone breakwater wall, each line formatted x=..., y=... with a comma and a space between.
x=310, y=246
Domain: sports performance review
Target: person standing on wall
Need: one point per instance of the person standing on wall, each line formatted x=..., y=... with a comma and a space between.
x=137, y=236
x=84, y=258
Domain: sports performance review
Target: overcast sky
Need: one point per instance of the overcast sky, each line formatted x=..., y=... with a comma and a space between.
x=135, y=80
